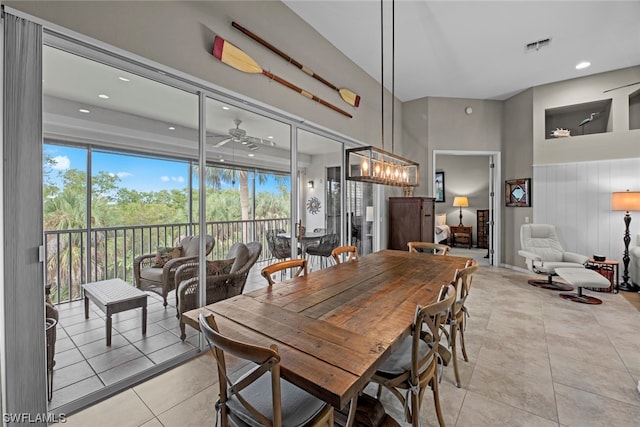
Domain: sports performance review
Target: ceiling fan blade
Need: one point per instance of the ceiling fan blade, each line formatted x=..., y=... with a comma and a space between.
x=218, y=140
x=254, y=140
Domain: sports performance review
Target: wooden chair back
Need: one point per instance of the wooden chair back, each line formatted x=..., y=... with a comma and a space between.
x=300, y=264
x=267, y=359
x=435, y=248
x=351, y=253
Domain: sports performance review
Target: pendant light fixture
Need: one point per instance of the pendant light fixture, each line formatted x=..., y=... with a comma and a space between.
x=372, y=164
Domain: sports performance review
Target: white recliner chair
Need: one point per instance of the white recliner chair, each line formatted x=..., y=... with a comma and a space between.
x=634, y=262
x=543, y=253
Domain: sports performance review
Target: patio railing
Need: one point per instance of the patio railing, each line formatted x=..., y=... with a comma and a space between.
x=80, y=256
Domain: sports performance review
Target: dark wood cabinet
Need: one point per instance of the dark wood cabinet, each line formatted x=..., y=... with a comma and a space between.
x=483, y=228
x=411, y=219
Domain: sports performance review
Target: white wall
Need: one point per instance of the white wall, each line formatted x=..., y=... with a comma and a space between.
x=620, y=143
x=576, y=198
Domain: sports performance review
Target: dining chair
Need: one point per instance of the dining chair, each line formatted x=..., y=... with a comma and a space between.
x=282, y=266
x=456, y=320
x=350, y=252
x=256, y=394
x=414, y=364
x=428, y=247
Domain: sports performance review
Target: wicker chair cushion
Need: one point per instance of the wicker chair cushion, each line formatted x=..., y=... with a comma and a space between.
x=219, y=266
x=241, y=253
x=400, y=359
x=190, y=246
x=298, y=406
x=151, y=274
x=165, y=254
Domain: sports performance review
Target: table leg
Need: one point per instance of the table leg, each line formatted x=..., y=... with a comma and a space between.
x=144, y=320
x=109, y=330
x=86, y=307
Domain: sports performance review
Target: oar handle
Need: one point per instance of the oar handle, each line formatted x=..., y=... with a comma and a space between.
x=282, y=54
x=305, y=93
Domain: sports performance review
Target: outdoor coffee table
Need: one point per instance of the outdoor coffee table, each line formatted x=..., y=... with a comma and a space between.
x=113, y=296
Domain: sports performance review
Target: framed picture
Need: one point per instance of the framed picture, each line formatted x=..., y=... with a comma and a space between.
x=517, y=193
x=439, y=180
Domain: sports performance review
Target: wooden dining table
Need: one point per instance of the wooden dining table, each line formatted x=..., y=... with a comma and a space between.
x=334, y=327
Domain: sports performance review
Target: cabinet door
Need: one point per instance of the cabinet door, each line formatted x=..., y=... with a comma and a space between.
x=427, y=220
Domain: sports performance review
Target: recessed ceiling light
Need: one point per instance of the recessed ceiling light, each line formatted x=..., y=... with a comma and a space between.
x=225, y=108
x=250, y=154
x=270, y=137
x=103, y=96
x=124, y=79
x=172, y=128
x=582, y=65
x=222, y=160
x=84, y=110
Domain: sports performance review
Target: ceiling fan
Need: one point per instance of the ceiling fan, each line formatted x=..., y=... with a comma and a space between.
x=240, y=136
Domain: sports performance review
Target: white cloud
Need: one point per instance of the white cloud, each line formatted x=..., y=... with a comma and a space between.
x=61, y=163
x=172, y=178
x=123, y=174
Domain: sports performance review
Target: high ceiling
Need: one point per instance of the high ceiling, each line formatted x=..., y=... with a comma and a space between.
x=476, y=49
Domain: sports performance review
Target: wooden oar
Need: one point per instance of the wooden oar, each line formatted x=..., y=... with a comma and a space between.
x=236, y=58
x=347, y=96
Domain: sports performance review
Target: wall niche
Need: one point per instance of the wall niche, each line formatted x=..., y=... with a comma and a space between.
x=580, y=119
x=634, y=110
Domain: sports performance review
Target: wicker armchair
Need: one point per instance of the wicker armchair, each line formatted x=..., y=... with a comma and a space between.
x=162, y=280
x=219, y=287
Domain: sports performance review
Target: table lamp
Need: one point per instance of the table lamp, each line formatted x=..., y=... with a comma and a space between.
x=462, y=202
x=626, y=201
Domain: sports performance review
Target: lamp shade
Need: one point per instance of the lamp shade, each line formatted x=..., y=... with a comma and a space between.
x=625, y=201
x=461, y=201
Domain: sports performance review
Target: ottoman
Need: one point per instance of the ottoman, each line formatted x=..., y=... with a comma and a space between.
x=582, y=278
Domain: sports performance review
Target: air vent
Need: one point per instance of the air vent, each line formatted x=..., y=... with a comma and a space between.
x=537, y=45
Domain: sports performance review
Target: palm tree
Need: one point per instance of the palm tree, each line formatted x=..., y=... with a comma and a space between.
x=217, y=176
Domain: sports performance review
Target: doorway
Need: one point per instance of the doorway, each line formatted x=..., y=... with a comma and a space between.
x=476, y=175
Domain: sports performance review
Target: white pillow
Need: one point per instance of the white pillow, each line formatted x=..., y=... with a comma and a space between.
x=441, y=219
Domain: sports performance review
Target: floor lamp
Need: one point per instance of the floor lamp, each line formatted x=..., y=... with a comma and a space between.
x=626, y=201
x=462, y=202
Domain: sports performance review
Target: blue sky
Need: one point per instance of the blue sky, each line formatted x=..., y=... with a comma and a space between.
x=137, y=173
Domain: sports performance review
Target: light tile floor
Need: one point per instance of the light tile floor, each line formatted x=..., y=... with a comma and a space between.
x=535, y=360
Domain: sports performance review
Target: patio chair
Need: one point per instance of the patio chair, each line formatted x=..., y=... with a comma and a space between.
x=161, y=279
x=51, y=323
x=257, y=395
x=221, y=285
x=323, y=249
x=279, y=247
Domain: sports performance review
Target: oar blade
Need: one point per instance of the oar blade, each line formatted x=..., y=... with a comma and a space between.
x=234, y=57
x=350, y=97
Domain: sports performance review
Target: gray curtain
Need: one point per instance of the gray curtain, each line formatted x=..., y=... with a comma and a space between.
x=24, y=358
